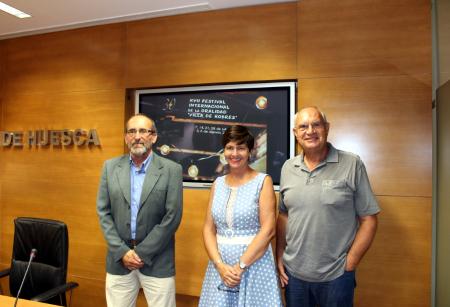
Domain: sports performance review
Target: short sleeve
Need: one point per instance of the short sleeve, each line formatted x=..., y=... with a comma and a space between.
x=365, y=201
x=281, y=206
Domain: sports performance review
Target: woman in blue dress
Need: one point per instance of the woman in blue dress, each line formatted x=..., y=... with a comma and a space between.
x=239, y=226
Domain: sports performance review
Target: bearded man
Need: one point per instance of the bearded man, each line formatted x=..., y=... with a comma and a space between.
x=139, y=204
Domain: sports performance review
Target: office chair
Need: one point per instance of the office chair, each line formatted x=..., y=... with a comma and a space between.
x=46, y=279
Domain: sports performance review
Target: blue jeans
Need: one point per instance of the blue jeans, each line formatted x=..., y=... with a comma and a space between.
x=334, y=293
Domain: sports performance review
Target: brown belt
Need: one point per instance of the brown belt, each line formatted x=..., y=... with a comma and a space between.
x=133, y=243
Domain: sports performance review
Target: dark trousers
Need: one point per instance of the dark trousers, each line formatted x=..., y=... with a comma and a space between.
x=334, y=293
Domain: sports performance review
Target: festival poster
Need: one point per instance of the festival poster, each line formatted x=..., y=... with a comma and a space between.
x=191, y=124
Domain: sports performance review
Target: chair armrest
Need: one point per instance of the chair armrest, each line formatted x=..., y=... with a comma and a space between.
x=54, y=292
x=5, y=272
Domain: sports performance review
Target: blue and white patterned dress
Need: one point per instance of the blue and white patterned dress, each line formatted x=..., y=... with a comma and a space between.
x=259, y=283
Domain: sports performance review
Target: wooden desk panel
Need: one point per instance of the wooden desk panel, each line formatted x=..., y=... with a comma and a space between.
x=9, y=301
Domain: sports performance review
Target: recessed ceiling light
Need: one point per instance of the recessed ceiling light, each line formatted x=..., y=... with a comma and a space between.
x=13, y=11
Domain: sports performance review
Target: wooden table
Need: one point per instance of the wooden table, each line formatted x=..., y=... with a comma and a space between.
x=8, y=301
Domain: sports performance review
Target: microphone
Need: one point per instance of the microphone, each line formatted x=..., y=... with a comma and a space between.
x=32, y=256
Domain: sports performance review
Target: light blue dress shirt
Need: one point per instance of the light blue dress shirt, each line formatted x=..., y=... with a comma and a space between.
x=137, y=176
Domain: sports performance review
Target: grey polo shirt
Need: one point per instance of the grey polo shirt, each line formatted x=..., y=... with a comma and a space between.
x=323, y=206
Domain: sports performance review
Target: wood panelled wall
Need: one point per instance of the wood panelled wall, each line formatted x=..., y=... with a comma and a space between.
x=366, y=63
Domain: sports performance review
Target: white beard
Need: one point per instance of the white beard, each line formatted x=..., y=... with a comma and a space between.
x=138, y=151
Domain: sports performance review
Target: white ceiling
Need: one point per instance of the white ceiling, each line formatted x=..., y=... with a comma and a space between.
x=54, y=15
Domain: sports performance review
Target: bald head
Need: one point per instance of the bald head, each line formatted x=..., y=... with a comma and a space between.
x=309, y=109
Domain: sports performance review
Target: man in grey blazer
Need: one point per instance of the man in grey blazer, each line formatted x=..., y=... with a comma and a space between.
x=139, y=204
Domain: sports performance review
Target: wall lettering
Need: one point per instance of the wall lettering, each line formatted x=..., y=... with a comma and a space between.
x=41, y=138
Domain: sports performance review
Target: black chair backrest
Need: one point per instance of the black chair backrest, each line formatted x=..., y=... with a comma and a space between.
x=49, y=267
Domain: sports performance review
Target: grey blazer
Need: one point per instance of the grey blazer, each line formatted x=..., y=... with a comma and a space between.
x=159, y=215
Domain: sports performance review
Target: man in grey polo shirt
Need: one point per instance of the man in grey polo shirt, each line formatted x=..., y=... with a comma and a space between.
x=327, y=218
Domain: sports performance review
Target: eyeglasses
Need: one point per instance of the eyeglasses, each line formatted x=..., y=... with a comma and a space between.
x=314, y=125
x=142, y=131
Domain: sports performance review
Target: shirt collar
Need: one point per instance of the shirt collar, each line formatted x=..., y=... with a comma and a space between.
x=145, y=164
x=332, y=157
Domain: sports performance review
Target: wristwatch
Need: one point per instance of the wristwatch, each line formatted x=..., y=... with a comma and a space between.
x=242, y=265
